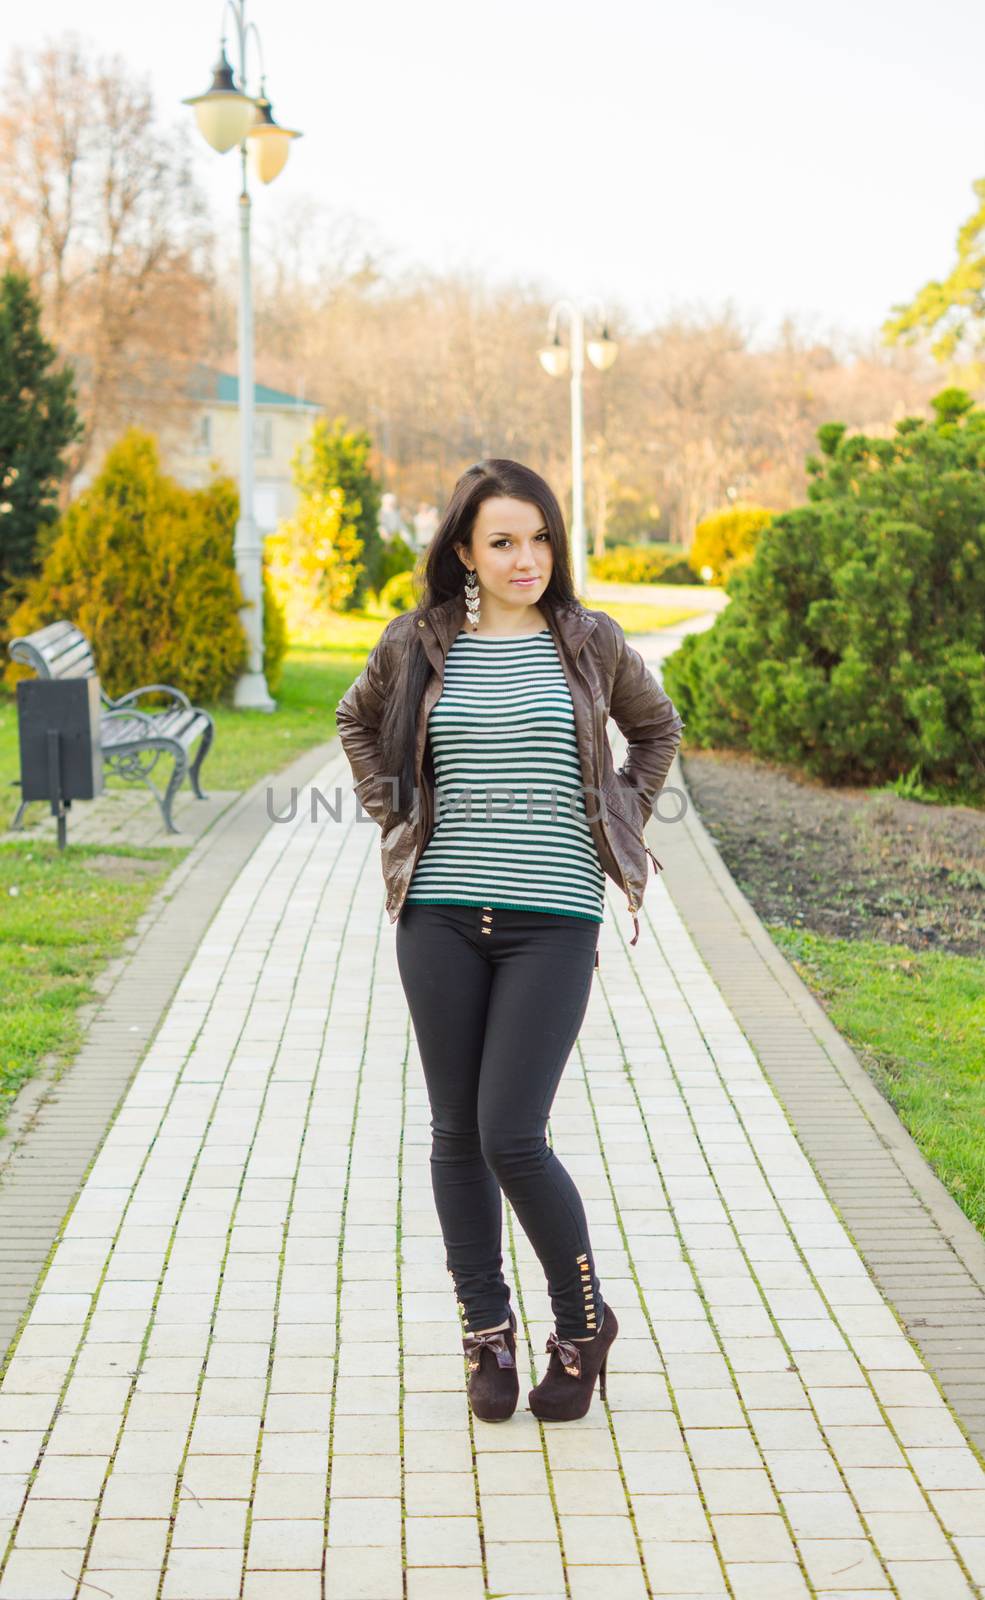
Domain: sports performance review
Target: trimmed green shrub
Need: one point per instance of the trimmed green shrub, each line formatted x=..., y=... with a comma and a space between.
x=643, y=563
x=853, y=642
x=146, y=569
x=726, y=540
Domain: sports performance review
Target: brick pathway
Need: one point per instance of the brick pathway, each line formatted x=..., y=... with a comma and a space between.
x=243, y=1373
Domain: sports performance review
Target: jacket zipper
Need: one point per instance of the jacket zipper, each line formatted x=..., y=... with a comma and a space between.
x=419, y=846
x=646, y=847
x=422, y=790
x=625, y=885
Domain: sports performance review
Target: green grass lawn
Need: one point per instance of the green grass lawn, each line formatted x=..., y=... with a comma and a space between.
x=916, y=1020
x=64, y=916
x=249, y=744
x=9, y=761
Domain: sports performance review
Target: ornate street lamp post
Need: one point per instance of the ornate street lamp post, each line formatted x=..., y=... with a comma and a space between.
x=227, y=115
x=554, y=358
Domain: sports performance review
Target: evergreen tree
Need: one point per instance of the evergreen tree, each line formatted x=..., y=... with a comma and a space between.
x=38, y=421
x=853, y=644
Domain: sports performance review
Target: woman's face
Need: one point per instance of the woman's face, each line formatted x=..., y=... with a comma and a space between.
x=510, y=542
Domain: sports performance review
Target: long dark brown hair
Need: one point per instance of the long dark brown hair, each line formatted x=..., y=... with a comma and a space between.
x=441, y=576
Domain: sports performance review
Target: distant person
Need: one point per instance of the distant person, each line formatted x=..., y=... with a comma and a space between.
x=426, y=520
x=391, y=521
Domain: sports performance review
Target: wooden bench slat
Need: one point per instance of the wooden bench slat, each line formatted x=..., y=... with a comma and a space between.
x=51, y=632
x=185, y=732
x=176, y=722
x=121, y=732
x=75, y=669
x=66, y=655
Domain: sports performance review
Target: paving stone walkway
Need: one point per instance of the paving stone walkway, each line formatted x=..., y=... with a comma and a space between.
x=125, y=815
x=242, y=1375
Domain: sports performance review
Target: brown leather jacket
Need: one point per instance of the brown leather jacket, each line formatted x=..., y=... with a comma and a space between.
x=606, y=677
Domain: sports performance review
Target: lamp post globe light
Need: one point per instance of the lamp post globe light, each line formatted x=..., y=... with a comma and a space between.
x=556, y=360
x=228, y=115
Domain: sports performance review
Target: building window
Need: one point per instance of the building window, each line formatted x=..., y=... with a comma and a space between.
x=263, y=436
x=202, y=434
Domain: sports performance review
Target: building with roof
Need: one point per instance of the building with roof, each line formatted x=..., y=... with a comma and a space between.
x=211, y=440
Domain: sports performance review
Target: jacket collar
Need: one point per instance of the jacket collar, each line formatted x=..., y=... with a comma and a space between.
x=570, y=627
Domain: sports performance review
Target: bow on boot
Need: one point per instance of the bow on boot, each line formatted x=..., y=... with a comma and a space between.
x=493, y=1387
x=473, y=1344
x=568, y=1352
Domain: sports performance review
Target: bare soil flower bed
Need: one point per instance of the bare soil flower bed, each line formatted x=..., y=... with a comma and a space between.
x=849, y=863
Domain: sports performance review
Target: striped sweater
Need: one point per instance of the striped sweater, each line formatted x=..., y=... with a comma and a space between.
x=505, y=722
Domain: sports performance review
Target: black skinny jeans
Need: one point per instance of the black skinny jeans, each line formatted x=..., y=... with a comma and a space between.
x=496, y=1015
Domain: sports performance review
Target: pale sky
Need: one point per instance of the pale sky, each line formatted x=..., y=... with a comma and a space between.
x=791, y=157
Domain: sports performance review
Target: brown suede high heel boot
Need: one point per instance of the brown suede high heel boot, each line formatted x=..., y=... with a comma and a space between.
x=565, y=1391
x=494, y=1385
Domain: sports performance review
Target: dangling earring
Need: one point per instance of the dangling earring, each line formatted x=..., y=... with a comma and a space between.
x=472, y=597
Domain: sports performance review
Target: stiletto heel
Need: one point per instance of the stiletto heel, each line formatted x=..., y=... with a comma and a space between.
x=602, y=1375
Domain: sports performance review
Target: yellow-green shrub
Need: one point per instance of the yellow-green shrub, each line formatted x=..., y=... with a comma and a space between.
x=146, y=569
x=727, y=540
x=275, y=639
x=642, y=563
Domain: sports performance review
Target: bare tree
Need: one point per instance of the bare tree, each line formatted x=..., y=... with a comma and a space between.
x=99, y=206
x=442, y=368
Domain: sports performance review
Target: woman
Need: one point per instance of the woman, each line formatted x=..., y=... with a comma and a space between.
x=482, y=714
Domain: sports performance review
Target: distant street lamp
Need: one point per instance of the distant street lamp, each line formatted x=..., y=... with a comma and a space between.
x=227, y=115
x=554, y=358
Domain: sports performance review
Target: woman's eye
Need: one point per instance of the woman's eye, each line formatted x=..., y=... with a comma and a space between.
x=500, y=542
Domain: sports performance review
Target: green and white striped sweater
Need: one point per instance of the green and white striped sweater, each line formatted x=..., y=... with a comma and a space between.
x=505, y=722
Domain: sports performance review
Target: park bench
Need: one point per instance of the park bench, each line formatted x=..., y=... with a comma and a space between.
x=131, y=740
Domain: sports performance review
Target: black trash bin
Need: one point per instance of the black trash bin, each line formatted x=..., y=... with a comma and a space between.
x=58, y=721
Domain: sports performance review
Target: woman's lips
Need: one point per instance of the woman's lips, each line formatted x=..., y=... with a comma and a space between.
x=524, y=583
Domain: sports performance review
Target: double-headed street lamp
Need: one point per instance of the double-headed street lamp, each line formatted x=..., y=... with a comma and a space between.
x=227, y=115
x=554, y=358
